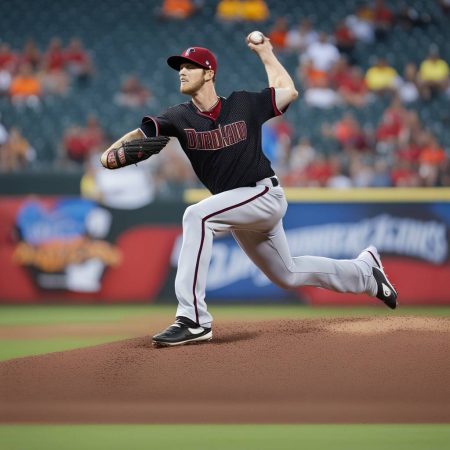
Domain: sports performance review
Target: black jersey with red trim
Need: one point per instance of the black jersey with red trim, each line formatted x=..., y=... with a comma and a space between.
x=226, y=151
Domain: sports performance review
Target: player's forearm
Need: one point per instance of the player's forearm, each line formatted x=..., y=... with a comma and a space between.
x=131, y=136
x=277, y=75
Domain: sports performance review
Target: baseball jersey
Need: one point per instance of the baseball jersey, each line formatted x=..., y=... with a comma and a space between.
x=225, y=152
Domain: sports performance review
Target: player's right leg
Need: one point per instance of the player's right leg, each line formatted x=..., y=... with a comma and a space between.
x=252, y=207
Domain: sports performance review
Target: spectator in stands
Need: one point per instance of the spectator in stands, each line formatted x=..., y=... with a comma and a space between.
x=16, y=153
x=177, y=9
x=383, y=19
x=410, y=148
x=243, y=10
x=431, y=158
x=345, y=40
x=8, y=65
x=55, y=82
x=31, y=55
x=347, y=132
x=278, y=34
x=319, y=171
x=301, y=36
x=407, y=86
x=5, y=82
x=300, y=158
x=74, y=146
x=381, y=174
x=339, y=73
x=408, y=17
x=301, y=155
x=381, y=78
x=339, y=178
x=25, y=89
x=54, y=59
x=404, y=174
x=361, y=170
x=229, y=10
x=8, y=58
x=353, y=89
x=77, y=61
x=79, y=143
x=310, y=77
x=321, y=95
x=276, y=140
x=392, y=128
x=433, y=75
x=254, y=10
x=315, y=173
x=322, y=53
x=361, y=25
x=131, y=188
x=133, y=94
x=54, y=78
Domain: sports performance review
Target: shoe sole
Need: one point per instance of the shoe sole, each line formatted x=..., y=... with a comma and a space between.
x=198, y=340
x=385, y=280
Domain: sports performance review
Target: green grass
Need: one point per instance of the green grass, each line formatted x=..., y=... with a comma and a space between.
x=68, y=314
x=62, y=314
x=225, y=437
x=10, y=349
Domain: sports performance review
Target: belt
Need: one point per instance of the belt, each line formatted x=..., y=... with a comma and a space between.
x=270, y=182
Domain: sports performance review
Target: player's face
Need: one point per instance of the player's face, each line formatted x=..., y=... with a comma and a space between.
x=192, y=78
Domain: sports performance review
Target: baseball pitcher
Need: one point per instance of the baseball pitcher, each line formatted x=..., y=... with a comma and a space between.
x=222, y=139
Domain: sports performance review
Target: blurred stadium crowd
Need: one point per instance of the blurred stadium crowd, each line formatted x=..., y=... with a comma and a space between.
x=373, y=76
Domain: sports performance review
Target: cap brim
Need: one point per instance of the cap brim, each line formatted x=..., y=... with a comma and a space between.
x=176, y=61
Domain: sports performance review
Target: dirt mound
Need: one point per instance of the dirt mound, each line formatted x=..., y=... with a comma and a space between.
x=340, y=370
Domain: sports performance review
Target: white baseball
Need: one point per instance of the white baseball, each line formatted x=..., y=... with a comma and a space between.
x=256, y=37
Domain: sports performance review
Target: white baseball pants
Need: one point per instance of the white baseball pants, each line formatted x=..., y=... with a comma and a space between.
x=253, y=215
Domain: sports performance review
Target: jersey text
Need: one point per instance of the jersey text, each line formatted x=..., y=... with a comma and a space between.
x=216, y=139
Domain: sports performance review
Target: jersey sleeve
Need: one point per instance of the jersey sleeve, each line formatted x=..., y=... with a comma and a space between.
x=158, y=126
x=264, y=104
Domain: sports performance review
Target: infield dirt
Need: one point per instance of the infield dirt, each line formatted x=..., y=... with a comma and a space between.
x=352, y=370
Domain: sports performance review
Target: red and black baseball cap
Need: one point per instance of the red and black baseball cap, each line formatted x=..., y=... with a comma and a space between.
x=197, y=55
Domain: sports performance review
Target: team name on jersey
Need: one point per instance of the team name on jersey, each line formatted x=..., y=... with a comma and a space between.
x=221, y=137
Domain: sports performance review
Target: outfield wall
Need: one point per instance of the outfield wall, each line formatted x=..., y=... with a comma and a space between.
x=68, y=249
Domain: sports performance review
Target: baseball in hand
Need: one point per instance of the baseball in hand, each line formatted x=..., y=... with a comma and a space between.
x=256, y=37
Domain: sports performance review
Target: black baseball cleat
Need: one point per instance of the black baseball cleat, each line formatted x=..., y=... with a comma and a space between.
x=386, y=291
x=183, y=331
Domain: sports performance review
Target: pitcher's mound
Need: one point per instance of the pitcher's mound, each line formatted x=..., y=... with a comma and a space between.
x=340, y=370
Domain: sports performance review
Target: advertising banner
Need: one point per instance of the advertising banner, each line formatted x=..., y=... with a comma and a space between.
x=412, y=237
x=72, y=249
x=56, y=249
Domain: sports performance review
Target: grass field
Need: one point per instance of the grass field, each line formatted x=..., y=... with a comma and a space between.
x=248, y=437
x=225, y=437
x=48, y=315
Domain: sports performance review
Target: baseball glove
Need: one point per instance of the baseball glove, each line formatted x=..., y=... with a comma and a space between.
x=135, y=151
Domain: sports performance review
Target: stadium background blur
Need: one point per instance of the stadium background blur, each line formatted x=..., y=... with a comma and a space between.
x=99, y=67
x=92, y=69
x=373, y=113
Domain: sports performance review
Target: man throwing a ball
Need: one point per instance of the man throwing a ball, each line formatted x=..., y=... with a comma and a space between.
x=222, y=139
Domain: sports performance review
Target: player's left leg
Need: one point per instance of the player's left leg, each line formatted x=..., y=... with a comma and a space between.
x=270, y=252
